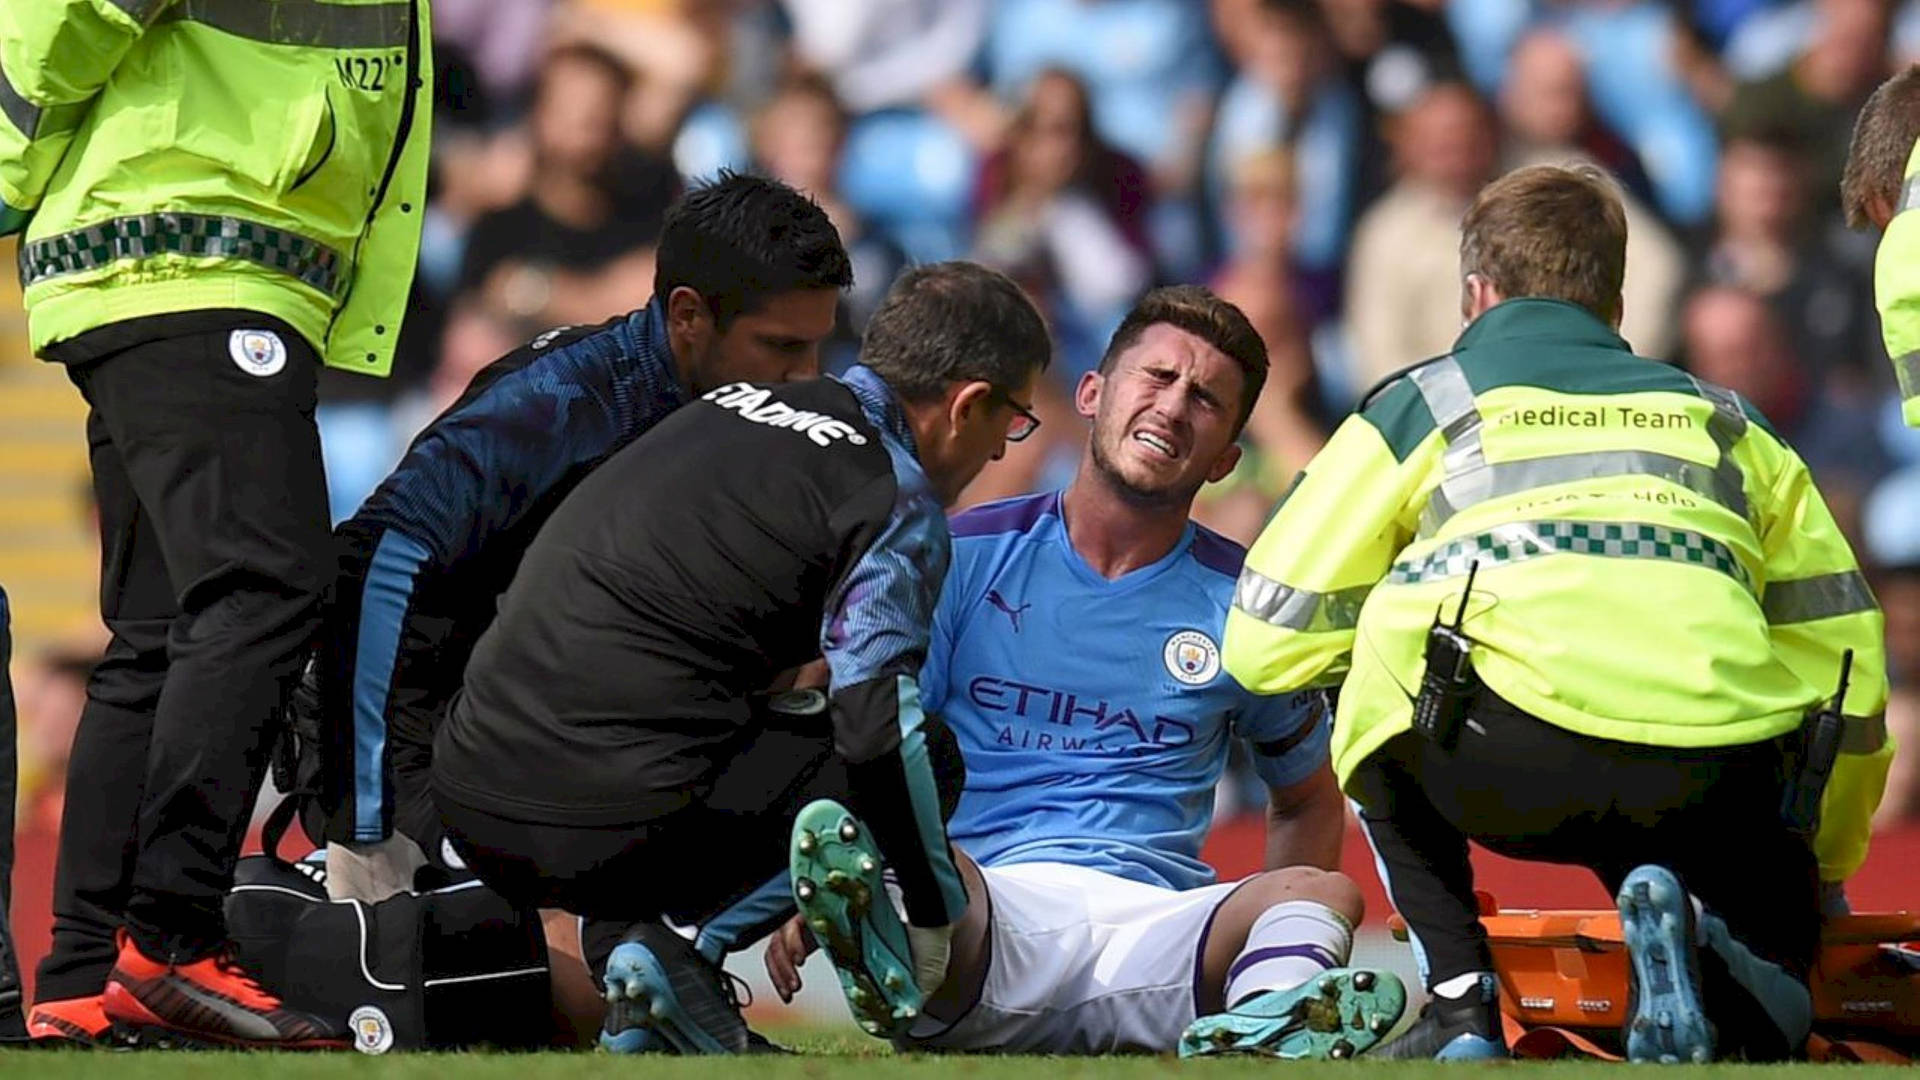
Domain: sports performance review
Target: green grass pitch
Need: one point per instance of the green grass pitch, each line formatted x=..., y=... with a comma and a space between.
x=827, y=1055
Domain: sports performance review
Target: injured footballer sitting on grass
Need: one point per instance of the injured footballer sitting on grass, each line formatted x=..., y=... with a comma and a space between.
x=1074, y=657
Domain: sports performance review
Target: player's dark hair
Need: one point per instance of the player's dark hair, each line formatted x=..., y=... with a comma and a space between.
x=951, y=322
x=741, y=240
x=1198, y=311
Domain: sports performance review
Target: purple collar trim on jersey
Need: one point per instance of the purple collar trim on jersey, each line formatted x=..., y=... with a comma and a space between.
x=881, y=405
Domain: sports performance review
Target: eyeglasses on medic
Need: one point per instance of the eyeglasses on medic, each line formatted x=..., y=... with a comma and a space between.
x=1024, y=423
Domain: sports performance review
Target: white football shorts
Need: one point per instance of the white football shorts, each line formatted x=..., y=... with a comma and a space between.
x=1082, y=962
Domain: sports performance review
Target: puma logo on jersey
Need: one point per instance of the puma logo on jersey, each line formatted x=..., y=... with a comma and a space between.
x=757, y=404
x=1012, y=613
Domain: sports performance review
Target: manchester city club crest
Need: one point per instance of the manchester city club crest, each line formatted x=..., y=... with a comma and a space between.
x=372, y=1031
x=257, y=352
x=1192, y=657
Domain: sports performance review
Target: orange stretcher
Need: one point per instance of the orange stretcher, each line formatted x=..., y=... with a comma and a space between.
x=1563, y=984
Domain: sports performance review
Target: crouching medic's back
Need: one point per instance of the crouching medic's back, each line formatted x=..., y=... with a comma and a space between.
x=1582, y=608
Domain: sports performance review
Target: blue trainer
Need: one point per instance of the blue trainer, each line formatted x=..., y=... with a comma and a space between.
x=656, y=982
x=1330, y=1017
x=1666, y=1023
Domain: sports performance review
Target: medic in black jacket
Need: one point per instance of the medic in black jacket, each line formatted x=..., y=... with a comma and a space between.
x=605, y=756
x=749, y=273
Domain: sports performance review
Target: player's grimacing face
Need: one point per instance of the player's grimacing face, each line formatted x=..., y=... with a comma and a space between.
x=1164, y=416
x=777, y=342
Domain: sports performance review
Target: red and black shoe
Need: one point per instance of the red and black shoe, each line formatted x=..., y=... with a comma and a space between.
x=70, y=1022
x=210, y=1002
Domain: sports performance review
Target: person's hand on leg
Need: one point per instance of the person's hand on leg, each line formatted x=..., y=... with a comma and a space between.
x=787, y=949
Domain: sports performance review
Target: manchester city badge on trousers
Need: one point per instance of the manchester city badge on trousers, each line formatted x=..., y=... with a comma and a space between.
x=257, y=352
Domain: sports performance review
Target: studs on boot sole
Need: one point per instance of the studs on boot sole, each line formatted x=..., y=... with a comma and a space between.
x=807, y=842
x=1363, y=980
x=1340, y=1051
x=803, y=889
x=868, y=866
x=849, y=832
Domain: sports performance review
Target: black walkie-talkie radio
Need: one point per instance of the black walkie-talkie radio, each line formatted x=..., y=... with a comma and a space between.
x=1448, y=685
x=1820, y=738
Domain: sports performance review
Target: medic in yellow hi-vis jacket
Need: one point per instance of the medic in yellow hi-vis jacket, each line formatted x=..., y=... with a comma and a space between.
x=1661, y=597
x=1896, y=291
x=1698, y=592
x=1880, y=187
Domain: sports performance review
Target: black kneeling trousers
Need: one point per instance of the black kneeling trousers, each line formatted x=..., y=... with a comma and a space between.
x=1526, y=789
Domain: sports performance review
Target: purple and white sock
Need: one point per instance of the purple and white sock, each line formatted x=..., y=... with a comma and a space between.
x=1290, y=943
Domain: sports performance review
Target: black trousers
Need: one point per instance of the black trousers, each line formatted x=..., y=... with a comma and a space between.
x=1529, y=790
x=697, y=865
x=12, y=1018
x=215, y=554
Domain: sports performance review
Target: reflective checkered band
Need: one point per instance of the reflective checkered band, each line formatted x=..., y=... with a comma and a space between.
x=205, y=236
x=1520, y=541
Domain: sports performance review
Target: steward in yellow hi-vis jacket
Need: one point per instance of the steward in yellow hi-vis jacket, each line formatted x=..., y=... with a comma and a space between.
x=217, y=195
x=1659, y=599
x=1880, y=186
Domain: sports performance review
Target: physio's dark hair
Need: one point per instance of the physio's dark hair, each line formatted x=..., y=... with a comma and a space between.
x=951, y=322
x=1198, y=311
x=741, y=240
x=1883, y=136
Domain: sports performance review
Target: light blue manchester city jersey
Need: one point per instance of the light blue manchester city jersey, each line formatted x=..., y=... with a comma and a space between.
x=1094, y=715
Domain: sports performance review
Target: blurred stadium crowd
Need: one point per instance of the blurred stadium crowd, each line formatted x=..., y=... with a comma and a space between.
x=1309, y=159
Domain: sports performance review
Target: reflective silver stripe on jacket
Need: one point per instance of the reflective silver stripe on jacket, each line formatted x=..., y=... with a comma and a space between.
x=1863, y=734
x=1909, y=194
x=1906, y=369
x=145, y=236
x=1726, y=427
x=1464, y=480
x=302, y=22
x=1821, y=597
x=34, y=121
x=1468, y=479
x=1293, y=608
x=1522, y=541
